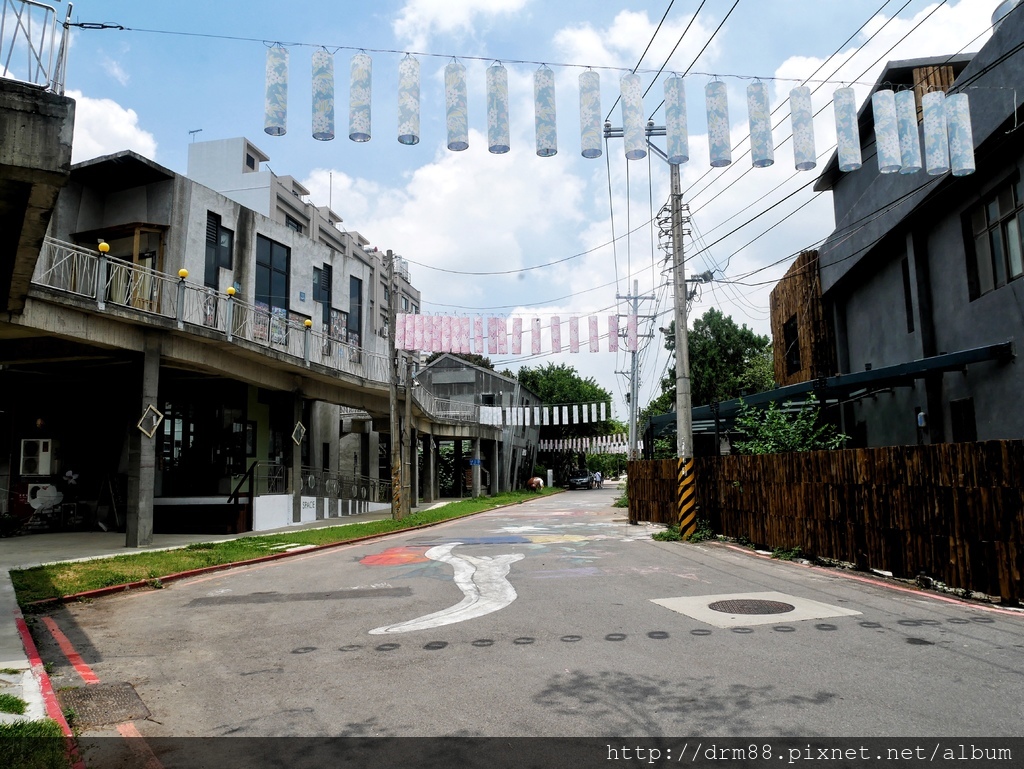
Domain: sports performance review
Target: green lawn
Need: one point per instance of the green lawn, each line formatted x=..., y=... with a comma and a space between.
x=64, y=579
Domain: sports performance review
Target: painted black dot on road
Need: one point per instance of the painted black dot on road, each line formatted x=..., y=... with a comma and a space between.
x=784, y=629
x=958, y=621
x=743, y=630
x=983, y=620
x=825, y=626
x=571, y=639
x=871, y=624
x=304, y=650
x=387, y=647
x=658, y=635
x=615, y=637
x=930, y=622
x=523, y=641
x=919, y=642
x=910, y=622
x=700, y=631
x=350, y=648
x=481, y=642
x=434, y=645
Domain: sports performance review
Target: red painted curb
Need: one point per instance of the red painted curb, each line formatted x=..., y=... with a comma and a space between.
x=113, y=589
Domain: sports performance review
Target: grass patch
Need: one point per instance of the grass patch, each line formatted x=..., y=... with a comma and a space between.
x=33, y=745
x=703, y=532
x=671, y=534
x=786, y=553
x=11, y=704
x=622, y=501
x=10, y=671
x=64, y=579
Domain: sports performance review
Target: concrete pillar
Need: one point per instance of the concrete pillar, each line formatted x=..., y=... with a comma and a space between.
x=296, y=463
x=142, y=453
x=429, y=469
x=495, y=465
x=476, y=468
x=414, y=469
x=459, y=476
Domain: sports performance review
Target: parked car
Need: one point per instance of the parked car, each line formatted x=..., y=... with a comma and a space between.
x=581, y=479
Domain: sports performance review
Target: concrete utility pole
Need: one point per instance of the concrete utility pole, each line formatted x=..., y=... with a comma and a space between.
x=407, y=449
x=396, y=430
x=634, y=372
x=684, y=415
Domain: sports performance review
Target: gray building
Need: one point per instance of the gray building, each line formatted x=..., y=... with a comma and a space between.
x=921, y=277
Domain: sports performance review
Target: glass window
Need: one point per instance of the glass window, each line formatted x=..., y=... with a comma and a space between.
x=1013, y=245
x=996, y=251
x=272, y=272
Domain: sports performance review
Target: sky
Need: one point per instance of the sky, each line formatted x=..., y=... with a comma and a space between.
x=518, y=234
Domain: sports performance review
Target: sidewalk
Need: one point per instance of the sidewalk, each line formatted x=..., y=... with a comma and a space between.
x=21, y=552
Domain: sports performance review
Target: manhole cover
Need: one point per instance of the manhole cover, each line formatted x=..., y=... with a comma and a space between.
x=750, y=606
x=101, y=704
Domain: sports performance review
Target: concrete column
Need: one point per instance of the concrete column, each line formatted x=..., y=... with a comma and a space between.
x=296, y=463
x=414, y=469
x=429, y=469
x=476, y=468
x=495, y=465
x=142, y=454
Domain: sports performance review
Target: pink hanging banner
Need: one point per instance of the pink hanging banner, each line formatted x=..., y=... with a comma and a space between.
x=574, y=334
x=631, y=333
x=517, y=336
x=535, y=336
x=434, y=334
x=478, y=335
x=464, y=336
x=595, y=342
x=613, y=333
x=556, y=334
x=418, y=335
x=502, y=336
x=492, y=336
x=410, y=332
x=585, y=413
x=400, y=331
x=446, y=333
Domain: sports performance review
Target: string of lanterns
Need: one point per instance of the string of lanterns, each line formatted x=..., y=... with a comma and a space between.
x=600, y=444
x=537, y=416
x=493, y=336
x=947, y=138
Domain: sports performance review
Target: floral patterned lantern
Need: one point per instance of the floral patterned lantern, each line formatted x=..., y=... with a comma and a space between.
x=762, y=152
x=590, y=115
x=544, y=112
x=359, y=98
x=936, y=138
x=633, y=117
x=717, y=103
x=847, y=130
x=498, y=140
x=676, y=136
x=323, y=96
x=961, y=137
x=887, y=134
x=457, y=106
x=409, y=100
x=910, y=138
x=801, y=115
x=275, y=106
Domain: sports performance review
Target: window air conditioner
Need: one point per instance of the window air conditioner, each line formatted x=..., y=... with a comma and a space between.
x=36, y=454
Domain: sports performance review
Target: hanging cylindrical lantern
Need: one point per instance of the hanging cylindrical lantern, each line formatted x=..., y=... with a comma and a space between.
x=613, y=333
x=762, y=151
x=323, y=96
x=275, y=106
x=457, y=106
x=498, y=140
x=409, y=100
x=716, y=100
x=936, y=138
x=590, y=115
x=961, y=137
x=677, y=138
x=910, y=137
x=556, y=333
x=360, y=87
x=844, y=104
x=887, y=134
x=633, y=117
x=544, y=112
x=801, y=116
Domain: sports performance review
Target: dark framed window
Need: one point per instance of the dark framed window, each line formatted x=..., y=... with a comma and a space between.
x=962, y=420
x=322, y=278
x=355, y=310
x=993, y=229
x=908, y=297
x=292, y=223
x=220, y=243
x=791, y=339
x=250, y=161
x=272, y=269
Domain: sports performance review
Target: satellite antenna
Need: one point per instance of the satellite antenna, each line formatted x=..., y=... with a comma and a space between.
x=193, y=133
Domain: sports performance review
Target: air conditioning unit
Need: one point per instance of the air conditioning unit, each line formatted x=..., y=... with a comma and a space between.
x=36, y=456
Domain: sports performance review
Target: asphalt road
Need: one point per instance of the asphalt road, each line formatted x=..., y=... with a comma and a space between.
x=542, y=621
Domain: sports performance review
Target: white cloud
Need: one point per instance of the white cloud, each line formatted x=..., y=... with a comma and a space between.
x=420, y=20
x=116, y=71
x=102, y=127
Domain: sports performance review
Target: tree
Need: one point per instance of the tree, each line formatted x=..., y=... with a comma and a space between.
x=774, y=431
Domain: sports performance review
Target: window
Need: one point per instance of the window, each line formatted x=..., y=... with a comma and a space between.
x=405, y=304
x=219, y=245
x=322, y=289
x=355, y=311
x=250, y=161
x=962, y=420
x=908, y=298
x=995, y=254
x=272, y=268
x=292, y=224
x=791, y=338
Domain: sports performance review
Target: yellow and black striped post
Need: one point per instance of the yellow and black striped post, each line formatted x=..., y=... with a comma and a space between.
x=687, y=497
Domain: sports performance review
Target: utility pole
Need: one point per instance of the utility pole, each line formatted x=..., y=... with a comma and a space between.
x=684, y=414
x=396, y=430
x=407, y=450
x=634, y=372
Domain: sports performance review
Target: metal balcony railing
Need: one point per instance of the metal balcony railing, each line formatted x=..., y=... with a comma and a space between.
x=33, y=44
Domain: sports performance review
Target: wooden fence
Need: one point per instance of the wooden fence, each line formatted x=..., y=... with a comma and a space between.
x=954, y=511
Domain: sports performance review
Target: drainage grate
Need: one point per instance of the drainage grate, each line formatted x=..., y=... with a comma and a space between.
x=101, y=704
x=750, y=606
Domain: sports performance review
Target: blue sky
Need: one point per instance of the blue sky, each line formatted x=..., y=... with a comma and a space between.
x=187, y=65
